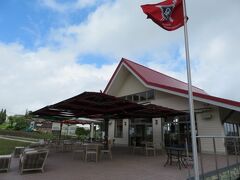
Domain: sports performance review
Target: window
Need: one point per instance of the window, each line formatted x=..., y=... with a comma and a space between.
x=118, y=130
x=231, y=129
x=150, y=94
x=129, y=98
x=142, y=96
x=135, y=98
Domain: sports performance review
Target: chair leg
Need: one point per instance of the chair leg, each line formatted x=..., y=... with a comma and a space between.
x=110, y=155
x=86, y=157
x=83, y=156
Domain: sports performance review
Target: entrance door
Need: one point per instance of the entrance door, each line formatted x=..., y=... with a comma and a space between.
x=140, y=134
x=140, y=131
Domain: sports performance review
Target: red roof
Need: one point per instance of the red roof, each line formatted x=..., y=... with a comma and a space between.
x=159, y=80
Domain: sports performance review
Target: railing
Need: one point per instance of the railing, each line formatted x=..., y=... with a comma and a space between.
x=218, y=157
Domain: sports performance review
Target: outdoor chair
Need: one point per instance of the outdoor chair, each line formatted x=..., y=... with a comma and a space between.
x=18, y=151
x=107, y=151
x=150, y=147
x=135, y=147
x=67, y=145
x=33, y=160
x=5, y=161
x=92, y=150
x=79, y=151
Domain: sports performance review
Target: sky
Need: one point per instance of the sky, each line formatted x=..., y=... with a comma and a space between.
x=55, y=49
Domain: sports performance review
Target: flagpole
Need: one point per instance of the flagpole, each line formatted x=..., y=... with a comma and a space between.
x=190, y=96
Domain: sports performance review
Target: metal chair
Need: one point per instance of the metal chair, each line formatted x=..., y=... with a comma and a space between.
x=107, y=151
x=92, y=150
x=135, y=147
x=79, y=151
x=149, y=146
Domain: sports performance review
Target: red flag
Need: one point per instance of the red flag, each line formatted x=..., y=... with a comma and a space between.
x=167, y=14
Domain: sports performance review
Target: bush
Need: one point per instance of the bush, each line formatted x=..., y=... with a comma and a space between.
x=82, y=133
x=18, y=122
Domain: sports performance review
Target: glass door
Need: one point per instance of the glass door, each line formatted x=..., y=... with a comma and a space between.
x=140, y=131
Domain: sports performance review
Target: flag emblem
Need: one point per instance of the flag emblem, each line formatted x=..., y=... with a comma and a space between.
x=167, y=14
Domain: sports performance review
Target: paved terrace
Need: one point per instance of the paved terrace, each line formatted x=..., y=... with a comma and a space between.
x=124, y=166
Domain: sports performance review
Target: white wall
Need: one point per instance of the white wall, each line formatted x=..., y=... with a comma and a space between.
x=131, y=86
x=211, y=127
x=157, y=132
x=119, y=141
x=174, y=101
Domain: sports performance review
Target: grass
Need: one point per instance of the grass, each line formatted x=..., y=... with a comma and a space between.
x=23, y=134
x=4, y=125
x=8, y=146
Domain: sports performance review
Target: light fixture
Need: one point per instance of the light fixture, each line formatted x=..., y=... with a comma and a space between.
x=156, y=122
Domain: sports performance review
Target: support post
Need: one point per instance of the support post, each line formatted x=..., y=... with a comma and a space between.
x=91, y=131
x=60, y=134
x=106, y=120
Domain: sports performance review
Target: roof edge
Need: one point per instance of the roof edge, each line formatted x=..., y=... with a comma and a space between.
x=111, y=79
x=126, y=62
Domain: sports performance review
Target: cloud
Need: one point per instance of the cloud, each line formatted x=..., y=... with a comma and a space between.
x=31, y=80
x=115, y=29
x=67, y=6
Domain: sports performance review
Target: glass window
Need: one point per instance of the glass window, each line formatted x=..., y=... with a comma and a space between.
x=150, y=94
x=135, y=98
x=142, y=96
x=129, y=98
x=123, y=97
x=118, y=130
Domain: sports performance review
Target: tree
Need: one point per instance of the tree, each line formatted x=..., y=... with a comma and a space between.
x=82, y=133
x=18, y=122
x=3, y=116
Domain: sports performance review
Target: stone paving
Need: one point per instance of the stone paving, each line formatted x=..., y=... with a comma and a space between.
x=124, y=166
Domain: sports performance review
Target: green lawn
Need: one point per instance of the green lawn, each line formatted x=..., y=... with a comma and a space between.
x=8, y=146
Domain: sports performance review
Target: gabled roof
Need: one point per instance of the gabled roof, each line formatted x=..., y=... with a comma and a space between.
x=156, y=79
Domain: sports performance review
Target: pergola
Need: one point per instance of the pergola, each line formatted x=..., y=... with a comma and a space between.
x=96, y=105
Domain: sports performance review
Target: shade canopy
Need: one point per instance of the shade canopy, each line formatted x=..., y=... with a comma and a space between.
x=99, y=105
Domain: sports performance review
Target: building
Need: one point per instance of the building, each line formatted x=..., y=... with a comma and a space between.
x=214, y=116
x=67, y=129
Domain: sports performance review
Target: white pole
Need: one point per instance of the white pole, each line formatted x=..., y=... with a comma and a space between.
x=190, y=96
x=91, y=131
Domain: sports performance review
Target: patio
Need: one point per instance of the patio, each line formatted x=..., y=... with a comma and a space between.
x=125, y=165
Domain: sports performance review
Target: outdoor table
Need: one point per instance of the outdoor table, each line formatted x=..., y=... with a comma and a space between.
x=175, y=153
x=94, y=143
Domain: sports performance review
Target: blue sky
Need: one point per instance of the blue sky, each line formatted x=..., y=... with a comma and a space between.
x=55, y=49
x=29, y=22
